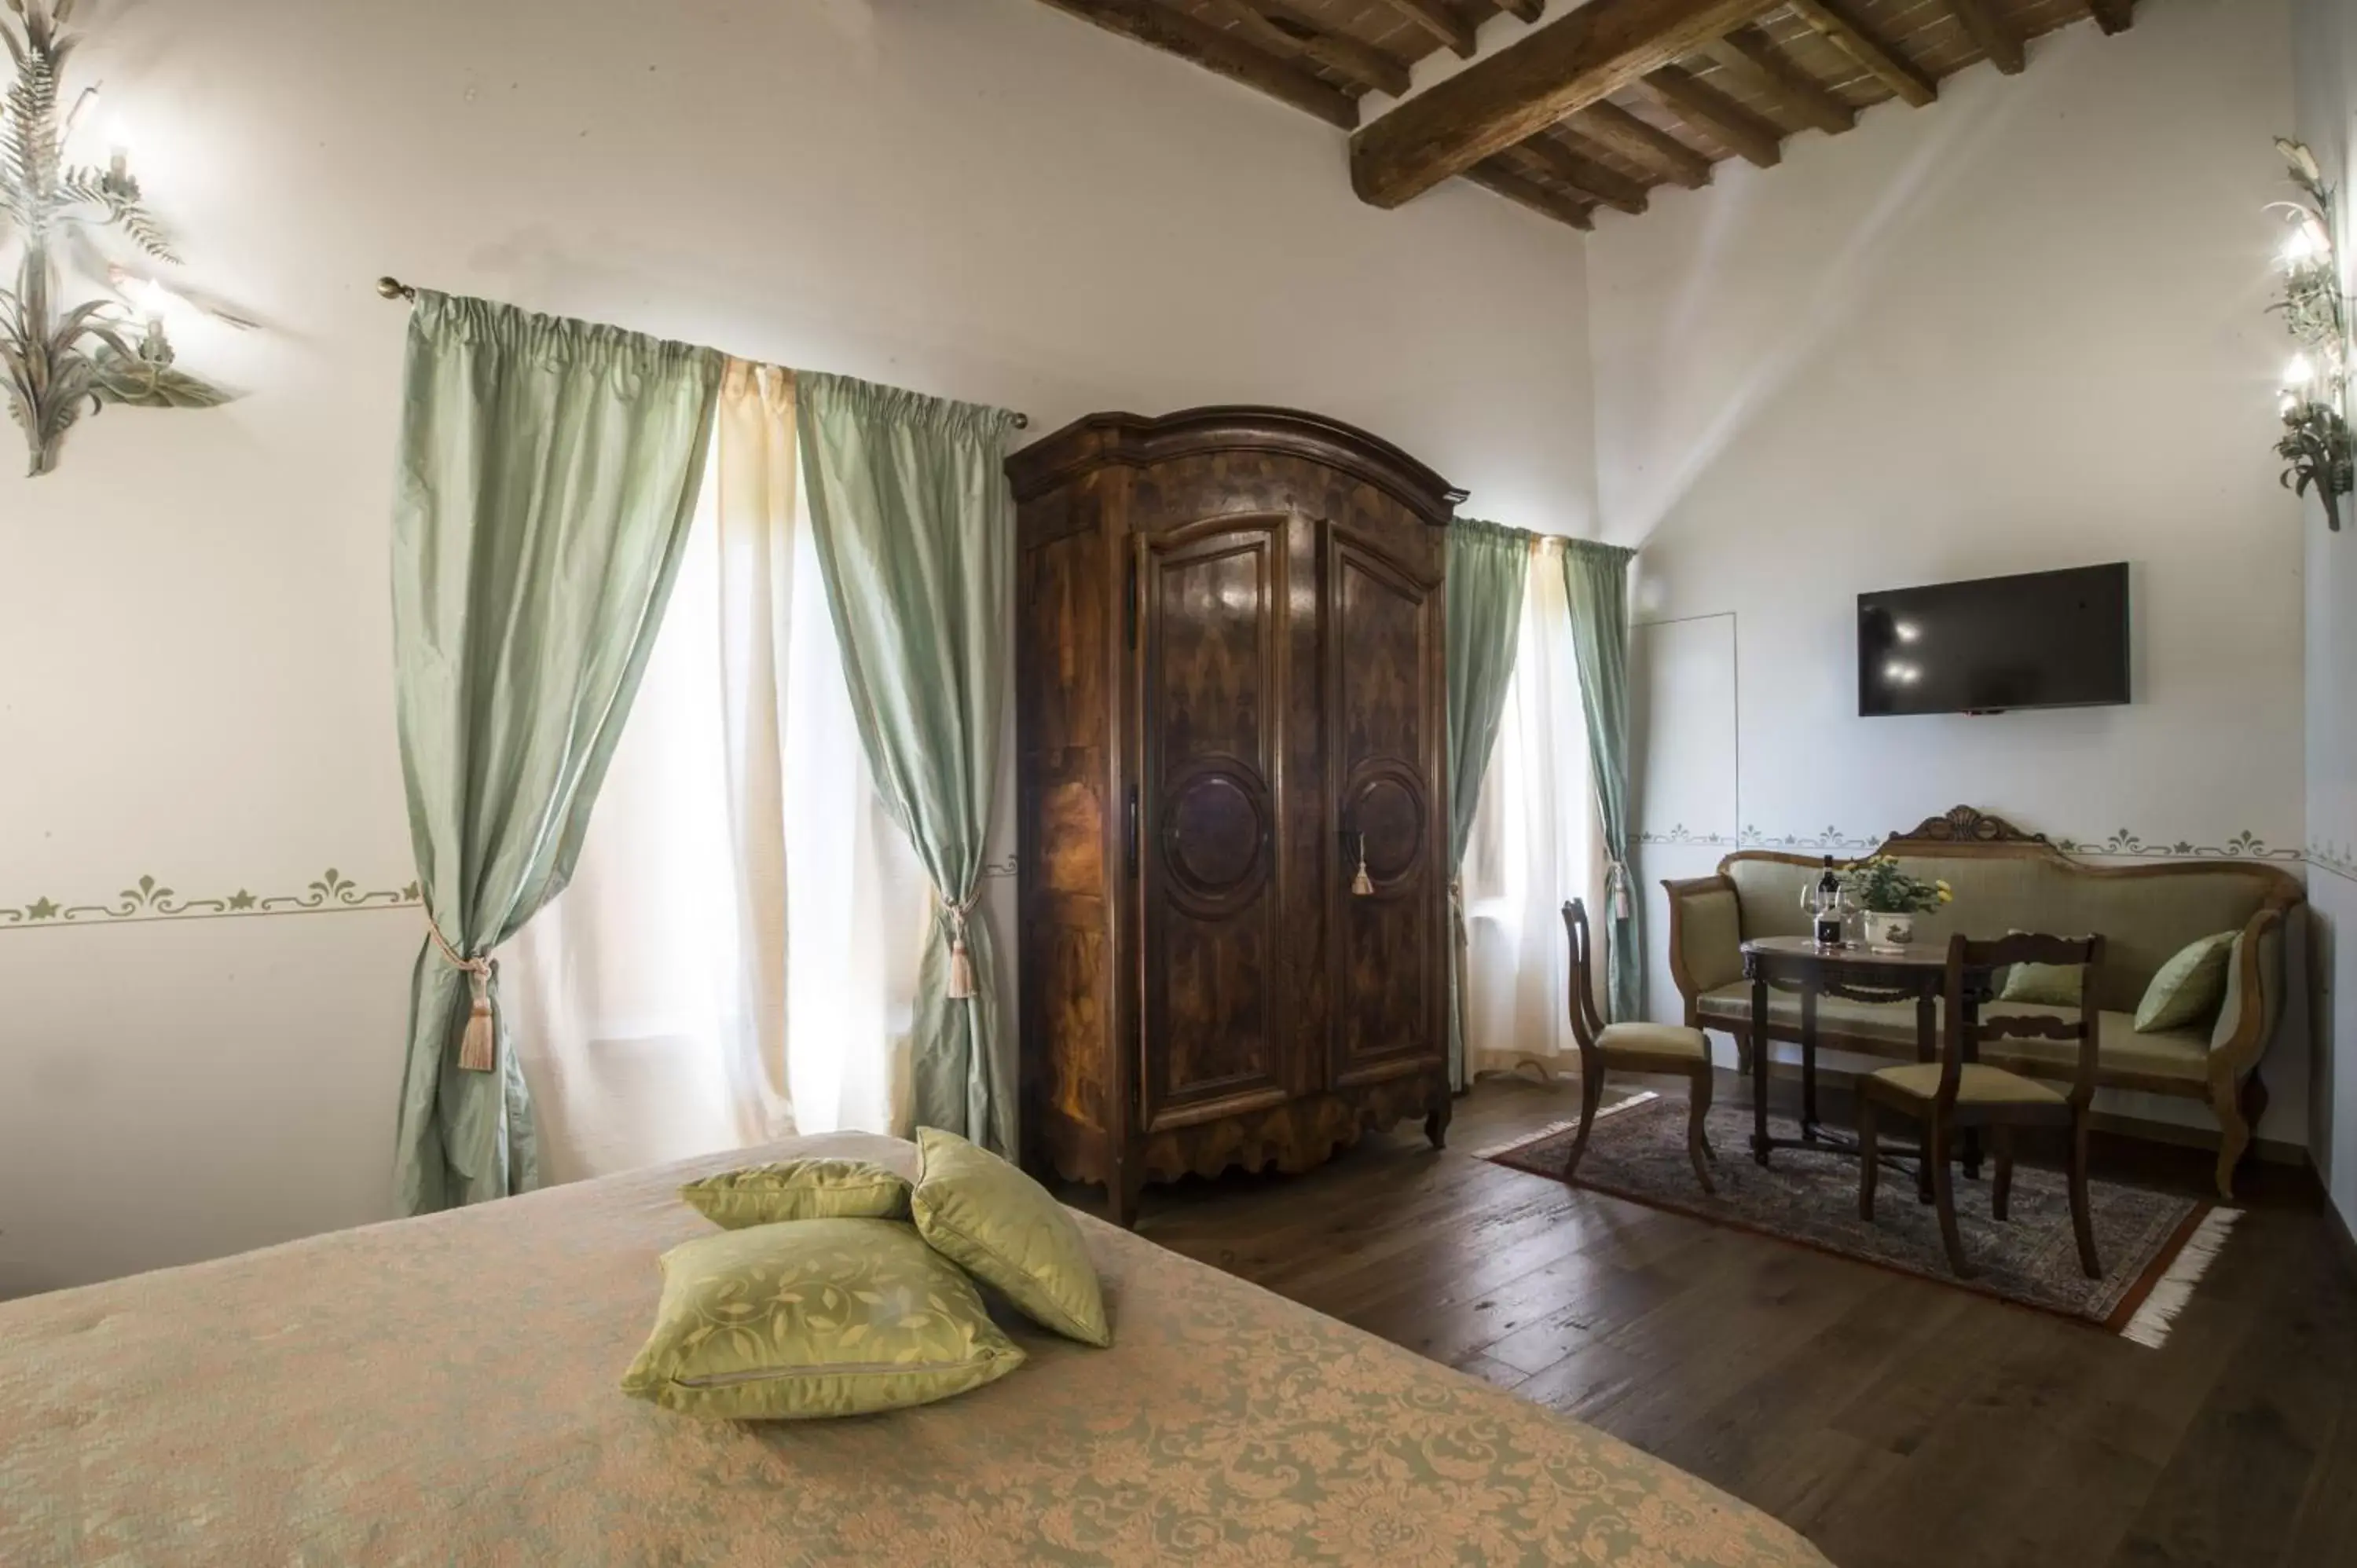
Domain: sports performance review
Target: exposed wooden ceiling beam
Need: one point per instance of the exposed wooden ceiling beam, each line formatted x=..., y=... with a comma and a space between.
x=1177, y=33
x=1716, y=114
x=1581, y=58
x=1494, y=175
x=1286, y=33
x=1992, y=32
x=1584, y=175
x=1749, y=59
x=1436, y=19
x=1640, y=140
x=1880, y=60
x=2112, y=15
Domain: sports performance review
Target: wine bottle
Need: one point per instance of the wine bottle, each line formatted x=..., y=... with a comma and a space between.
x=1828, y=913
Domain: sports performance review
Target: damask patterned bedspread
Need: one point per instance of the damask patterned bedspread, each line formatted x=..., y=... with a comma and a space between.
x=442, y=1390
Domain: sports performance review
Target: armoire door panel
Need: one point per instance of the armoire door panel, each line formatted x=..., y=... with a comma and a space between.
x=1212, y=601
x=1384, y=717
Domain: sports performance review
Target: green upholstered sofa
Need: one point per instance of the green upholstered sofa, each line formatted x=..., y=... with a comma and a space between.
x=2008, y=880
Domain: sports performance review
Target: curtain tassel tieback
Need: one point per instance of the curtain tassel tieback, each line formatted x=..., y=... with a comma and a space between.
x=478, y=1049
x=1616, y=884
x=961, y=962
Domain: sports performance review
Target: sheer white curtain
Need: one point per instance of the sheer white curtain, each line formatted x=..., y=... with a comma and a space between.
x=1536, y=842
x=685, y=994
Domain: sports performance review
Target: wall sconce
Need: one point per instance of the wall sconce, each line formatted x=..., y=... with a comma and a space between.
x=2316, y=448
x=62, y=360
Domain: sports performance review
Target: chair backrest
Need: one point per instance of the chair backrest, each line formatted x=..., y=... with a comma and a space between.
x=1586, y=1024
x=1964, y=953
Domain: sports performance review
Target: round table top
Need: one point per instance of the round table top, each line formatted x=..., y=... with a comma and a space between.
x=1922, y=955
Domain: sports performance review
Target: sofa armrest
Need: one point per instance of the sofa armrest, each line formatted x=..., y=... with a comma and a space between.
x=2254, y=1001
x=1705, y=936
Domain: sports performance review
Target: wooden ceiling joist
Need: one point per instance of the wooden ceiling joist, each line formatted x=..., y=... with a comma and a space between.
x=1642, y=142
x=1878, y=59
x=1717, y=115
x=1437, y=18
x=1585, y=175
x=1286, y=33
x=1992, y=32
x=1581, y=58
x=1215, y=50
x=1750, y=59
x=1534, y=121
x=1498, y=177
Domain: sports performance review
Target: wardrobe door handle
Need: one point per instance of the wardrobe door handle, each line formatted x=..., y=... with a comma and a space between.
x=1129, y=849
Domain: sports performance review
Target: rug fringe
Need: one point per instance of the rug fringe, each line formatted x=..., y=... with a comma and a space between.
x=1552, y=1128
x=2153, y=1321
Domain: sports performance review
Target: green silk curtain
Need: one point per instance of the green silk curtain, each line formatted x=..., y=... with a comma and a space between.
x=913, y=523
x=1488, y=566
x=548, y=472
x=1596, y=580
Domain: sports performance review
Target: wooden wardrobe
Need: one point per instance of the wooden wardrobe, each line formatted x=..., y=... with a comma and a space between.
x=1232, y=695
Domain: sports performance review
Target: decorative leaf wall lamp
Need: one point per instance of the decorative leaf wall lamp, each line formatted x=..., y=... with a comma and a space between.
x=2316, y=444
x=64, y=360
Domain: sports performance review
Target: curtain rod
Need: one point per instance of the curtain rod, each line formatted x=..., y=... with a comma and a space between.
x=393, y=288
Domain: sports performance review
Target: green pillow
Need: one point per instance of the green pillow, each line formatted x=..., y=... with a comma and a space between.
x=800, y=1189
x=2189, y=987
x=824, y=1317
x=1005, y=1230
x=2046, y=984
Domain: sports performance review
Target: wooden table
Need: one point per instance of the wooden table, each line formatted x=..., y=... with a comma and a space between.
x=1862, y=974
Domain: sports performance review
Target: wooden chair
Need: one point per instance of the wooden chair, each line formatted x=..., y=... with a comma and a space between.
x=1958, y=1093
x=1666, y=1048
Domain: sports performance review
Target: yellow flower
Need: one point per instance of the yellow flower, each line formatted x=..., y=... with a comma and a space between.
x=1947, y=896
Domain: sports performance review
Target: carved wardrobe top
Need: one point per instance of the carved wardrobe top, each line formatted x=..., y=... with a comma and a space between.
x=1135, y=441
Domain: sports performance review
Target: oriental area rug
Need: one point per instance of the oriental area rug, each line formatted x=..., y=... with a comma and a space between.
x=2155, y=1247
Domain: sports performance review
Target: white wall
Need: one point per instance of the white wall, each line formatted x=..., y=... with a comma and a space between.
x=2324, y=53
x=985, y=200
x=2023, y=329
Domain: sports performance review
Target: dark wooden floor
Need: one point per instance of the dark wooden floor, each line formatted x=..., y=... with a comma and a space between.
x=1893, y=1421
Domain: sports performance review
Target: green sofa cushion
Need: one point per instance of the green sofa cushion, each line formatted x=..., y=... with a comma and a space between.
x=819, y=1317
x=2048, y=984
x=2189, y=987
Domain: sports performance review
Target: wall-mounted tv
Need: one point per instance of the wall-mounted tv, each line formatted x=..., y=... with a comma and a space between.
x=2048, y=640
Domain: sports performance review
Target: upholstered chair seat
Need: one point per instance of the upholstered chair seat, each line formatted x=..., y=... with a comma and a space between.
x=1630, y=1043
x=1977, y=1085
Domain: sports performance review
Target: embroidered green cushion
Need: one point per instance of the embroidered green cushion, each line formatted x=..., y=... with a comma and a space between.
x=817, y=1318
x=800, y=1189
x=2189, y=987
x=1003, y=1229
x=2046, y=984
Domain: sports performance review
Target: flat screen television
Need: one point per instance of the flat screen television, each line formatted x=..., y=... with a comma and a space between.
x=2047, y=639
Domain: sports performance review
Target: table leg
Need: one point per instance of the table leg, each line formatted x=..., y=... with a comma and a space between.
x=1760, y=1071
x=1809, y=1065
x=1927, y=1050
x=1970, y=1046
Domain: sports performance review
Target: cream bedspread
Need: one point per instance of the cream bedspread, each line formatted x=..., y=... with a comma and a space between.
x=442, y=1390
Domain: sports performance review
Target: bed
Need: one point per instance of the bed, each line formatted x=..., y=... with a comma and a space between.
x=442, y=1390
